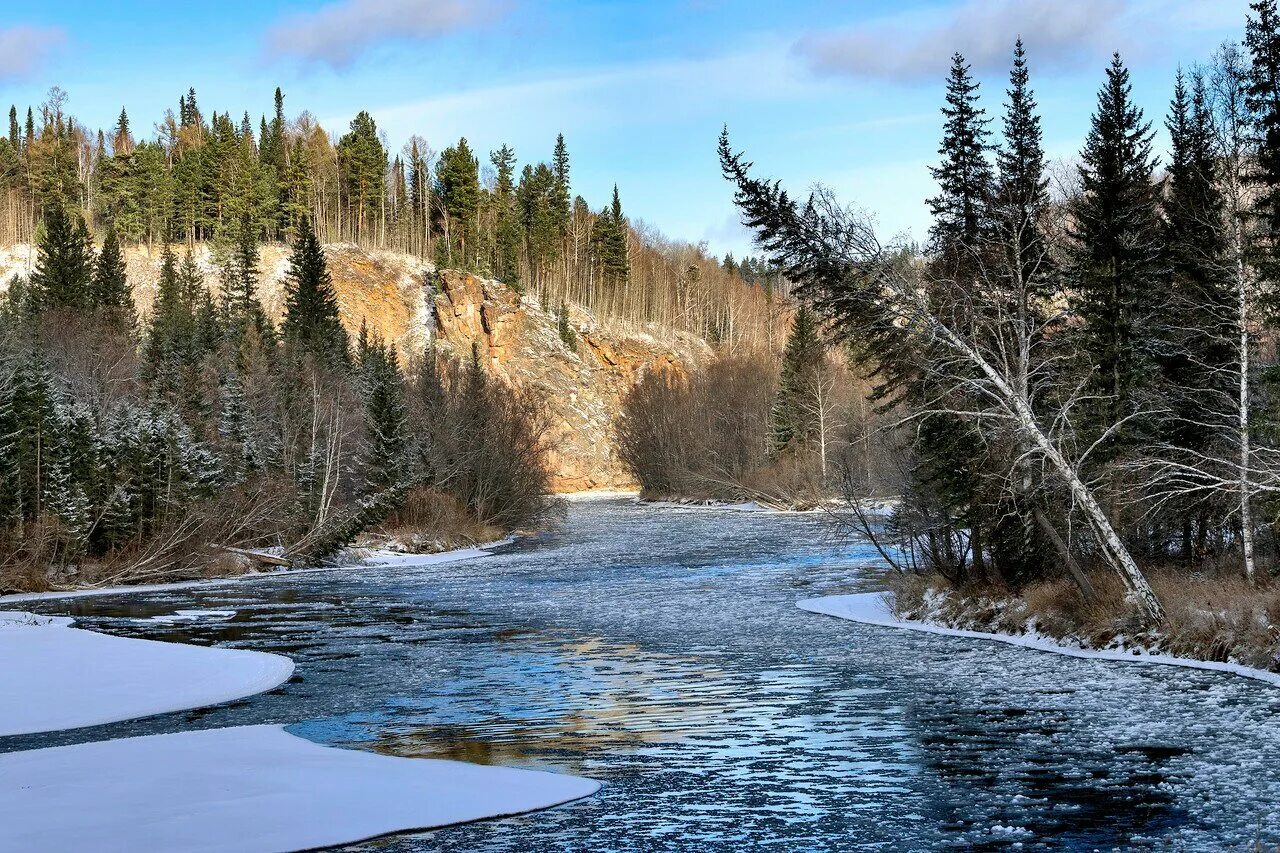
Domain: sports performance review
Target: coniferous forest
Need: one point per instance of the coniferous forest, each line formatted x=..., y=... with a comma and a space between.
x=1081, y=366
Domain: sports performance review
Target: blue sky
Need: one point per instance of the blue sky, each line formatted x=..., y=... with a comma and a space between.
x=846, y=93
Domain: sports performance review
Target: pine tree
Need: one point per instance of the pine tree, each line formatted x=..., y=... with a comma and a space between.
x=312, y=322
x=506, y=261
x=1119, y=272
x=802, y=361
x=64, y=267
x=961, y=211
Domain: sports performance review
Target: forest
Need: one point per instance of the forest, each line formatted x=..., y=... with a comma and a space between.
x=1080, y=366
x=213, y=178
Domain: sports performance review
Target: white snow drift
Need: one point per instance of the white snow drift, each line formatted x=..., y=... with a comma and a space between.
x=53, y=676
x=873, y=608
x=247, y=789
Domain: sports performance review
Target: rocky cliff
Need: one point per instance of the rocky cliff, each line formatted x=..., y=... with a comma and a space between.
x=405, y=300
x=583, y=383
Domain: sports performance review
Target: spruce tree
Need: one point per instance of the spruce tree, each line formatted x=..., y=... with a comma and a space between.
x=565, y=328
x=506, y=261
x=961, y=207
x=1118, y=268
x=384, y=457
x=1197, y=355
x=1262, y=100
x=64, y=266
x=110, y=287
x=1021, y=193
x=312, y=322
x=794, y=422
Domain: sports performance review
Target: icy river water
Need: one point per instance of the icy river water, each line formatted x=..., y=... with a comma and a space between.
x=660, y=651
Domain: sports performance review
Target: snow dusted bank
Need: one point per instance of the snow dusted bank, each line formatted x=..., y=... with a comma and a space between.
x=243, y=789
x=874, y=608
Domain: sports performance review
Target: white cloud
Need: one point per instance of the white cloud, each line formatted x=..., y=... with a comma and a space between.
x=1059, y=35
x=23, y=49
x=339, y=33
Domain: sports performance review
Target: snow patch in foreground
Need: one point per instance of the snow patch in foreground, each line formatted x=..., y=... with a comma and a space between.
x=246, y=789
x=873, y=608
x=53, y=676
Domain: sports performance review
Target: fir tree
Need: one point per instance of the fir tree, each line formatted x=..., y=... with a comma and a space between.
x=1119, y=272
x=312, y=322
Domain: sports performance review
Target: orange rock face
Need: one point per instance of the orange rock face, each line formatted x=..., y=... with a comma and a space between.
x=405, y=301
x=520, y=344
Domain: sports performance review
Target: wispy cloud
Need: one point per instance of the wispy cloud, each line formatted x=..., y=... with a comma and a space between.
x=1059, y=35
x=23, y=49
x=339, y=33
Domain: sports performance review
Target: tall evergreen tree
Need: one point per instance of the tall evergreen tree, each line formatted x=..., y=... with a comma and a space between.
x=64, y=266
x=1198, y=313
x=794, y=421
x=506, y=261
x=110, y=287
x=1262, y=99
x=961, y=208
x=1119, y=270
x=1021, y=185
x=384, y=457
x=312, y=322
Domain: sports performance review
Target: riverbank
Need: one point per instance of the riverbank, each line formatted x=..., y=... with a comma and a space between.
x=1212, y=624
x=240, y=788
x=356, y=558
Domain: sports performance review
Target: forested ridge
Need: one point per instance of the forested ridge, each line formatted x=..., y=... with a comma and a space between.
x=209, y=176
x=1082, y=373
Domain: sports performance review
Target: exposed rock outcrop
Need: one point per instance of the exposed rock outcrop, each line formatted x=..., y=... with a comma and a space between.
x=520, y=343
x=404, y=300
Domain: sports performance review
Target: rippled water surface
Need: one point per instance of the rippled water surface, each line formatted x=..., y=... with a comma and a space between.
x=660, y=651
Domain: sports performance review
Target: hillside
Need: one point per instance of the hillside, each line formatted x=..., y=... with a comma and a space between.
x=408, y=302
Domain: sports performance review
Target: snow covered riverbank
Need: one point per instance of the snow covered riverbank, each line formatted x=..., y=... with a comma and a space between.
x=54, y=676
x=371, y=559
x=244, y=790
x=873, y=608
x=254, y=788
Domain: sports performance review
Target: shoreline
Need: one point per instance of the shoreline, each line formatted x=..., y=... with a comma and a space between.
x=373, y=560
x=873, y=608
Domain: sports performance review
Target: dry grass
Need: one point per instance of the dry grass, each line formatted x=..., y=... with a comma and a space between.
x=1207, y=616
x=431, y=521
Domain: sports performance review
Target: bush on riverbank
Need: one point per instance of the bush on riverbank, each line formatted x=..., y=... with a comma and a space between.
x=1207, y=616
x=721, y=434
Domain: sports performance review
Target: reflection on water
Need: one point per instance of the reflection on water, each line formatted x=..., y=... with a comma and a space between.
x=660, y=651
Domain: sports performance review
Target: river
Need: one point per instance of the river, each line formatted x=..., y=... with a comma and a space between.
x=660, y=651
